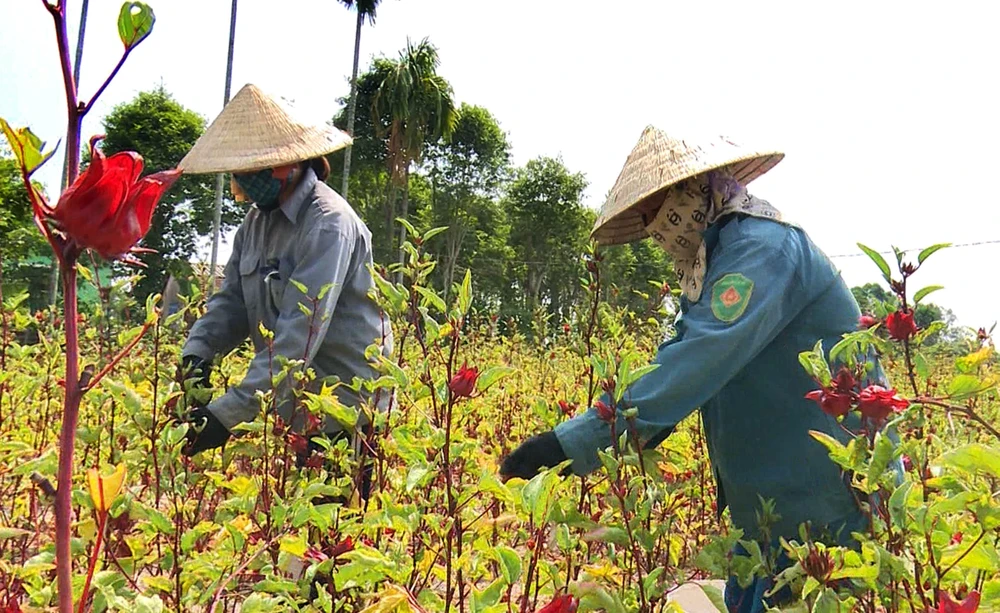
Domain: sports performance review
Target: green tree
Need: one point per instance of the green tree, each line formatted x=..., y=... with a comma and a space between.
x=466, y=173
x=163, y=131
x=23, y=251
x=419, y=106
x=365, y=10
x=550, y=230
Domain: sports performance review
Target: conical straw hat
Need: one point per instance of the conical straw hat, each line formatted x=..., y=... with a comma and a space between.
x=658, y=162
x=255, y=132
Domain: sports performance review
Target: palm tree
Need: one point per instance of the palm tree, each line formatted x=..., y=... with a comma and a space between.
x=419, y=107
x=366, y=10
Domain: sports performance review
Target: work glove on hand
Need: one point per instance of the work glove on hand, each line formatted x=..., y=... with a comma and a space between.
x=195, y=369
x=534, y=453
x=205, y=431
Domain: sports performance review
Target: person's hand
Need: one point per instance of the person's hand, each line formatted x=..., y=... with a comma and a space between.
x=534, y=453
x=205, y=431
x=194, y=369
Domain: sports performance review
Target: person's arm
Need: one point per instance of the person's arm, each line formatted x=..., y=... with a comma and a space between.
x=224, y=324
x=753, y=290
x=323, y=259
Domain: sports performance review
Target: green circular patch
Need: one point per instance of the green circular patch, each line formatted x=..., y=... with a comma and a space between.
x=730, y=297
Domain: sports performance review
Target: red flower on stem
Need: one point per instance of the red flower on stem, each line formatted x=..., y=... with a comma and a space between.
x=604, y=411
x=956, y=539
x=109, y=208
x=876, y=403
x=298, y=443
x=836, y=399
x=901, y=325
x=561, y=604
x=342, y=547
x=867, y=321
x=464, y=382
x=567, y=408
x=947, y=605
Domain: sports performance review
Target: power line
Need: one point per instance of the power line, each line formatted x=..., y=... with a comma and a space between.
x=957, y=246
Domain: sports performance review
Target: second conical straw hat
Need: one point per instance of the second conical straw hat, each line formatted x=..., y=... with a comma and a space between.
x=659, y=161
x=254, y=132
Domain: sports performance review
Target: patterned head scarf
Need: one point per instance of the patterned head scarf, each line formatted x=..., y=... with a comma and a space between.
x=691, y=206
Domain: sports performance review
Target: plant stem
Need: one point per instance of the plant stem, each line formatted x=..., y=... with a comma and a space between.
x=71, y=412
x=102, y=519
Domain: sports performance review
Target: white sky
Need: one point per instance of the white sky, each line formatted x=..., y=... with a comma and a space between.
x=887, y=110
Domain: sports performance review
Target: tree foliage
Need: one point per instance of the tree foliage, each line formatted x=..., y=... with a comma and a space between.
x=163, y=131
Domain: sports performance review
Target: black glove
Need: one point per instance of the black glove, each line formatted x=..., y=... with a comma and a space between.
x=205, y=431
x=534, y=453
x=193, y=367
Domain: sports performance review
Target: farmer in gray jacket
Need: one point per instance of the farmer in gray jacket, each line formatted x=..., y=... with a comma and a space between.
x=300, y=235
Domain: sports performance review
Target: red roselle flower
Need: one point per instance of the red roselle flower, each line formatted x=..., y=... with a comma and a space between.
x=342, y=547
x=464, y=382
x=876, y=403
x=604, y=411
x=947, y=605
x=866, y=321
x=901, y=325
x=956, y=539
x=832, y=402
x=567, y=408
x=109, y=208
x=298, y=443
x=561, y=604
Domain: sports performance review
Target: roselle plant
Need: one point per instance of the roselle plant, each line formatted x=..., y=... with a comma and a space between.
x=107, y=209
x=933, y=512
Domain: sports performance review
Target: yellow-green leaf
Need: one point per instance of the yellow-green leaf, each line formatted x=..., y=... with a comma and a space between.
x=135, y=22
x=26, y=146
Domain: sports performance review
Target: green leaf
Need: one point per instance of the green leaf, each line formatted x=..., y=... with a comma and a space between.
x=898, y=504
x=295, y=545
x=491, y=376
x=465, y=293
x=135, y=22
x=815, y=364
x=7, y=532
x=714, y=595
x=428, y=235
x=933, y=328
x=147, y=604
x=966, y=386
x=510, y=564
x=482, y=600
x=26, y=146
x=417, y=477
x=409, y=227
x=973, y=458
x=883, y=453
x=299, y=286
x=324, y=290
x=926, y=253
x=607, y=534
x=151, y=312
x=431, y=296
x=923, y=293
x=878, y=259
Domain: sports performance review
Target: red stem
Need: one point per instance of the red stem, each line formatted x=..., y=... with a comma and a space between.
x=118, y=358
x=71, y=412
x=73, y=115
x=102, y=519
x=85, y=107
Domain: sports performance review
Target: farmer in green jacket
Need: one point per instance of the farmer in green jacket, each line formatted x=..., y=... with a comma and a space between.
x=300, y=244
x=755, y=293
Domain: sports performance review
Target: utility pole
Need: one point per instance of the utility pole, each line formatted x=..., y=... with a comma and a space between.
x=221, y=178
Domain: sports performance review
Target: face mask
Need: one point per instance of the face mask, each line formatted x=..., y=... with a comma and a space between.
x=261, y=187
